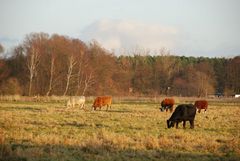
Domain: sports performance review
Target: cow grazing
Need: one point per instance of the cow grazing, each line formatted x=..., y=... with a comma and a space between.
x=183, y=112
x=201, y=104
x=166, y=104
x=102, y=101
x=76, y=100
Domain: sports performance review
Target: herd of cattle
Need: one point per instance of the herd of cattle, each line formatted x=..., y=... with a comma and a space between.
x=99, y=102
x=182, y=113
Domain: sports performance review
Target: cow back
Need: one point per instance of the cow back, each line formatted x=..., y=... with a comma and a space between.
x=184, y=112
x=102, y=101
x=201, y=104
x=75, y=100
x=167, y=102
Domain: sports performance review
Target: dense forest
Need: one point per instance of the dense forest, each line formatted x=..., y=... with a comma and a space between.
x=59, y=65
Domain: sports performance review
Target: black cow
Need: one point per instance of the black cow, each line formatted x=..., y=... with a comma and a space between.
x=183, y=112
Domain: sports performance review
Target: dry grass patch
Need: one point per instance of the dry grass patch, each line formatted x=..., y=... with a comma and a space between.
x=129, y=131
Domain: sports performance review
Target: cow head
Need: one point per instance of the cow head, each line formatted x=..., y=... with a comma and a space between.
x=162, y=108
x=170, y=123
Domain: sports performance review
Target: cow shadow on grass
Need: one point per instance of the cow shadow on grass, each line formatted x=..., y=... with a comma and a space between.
x=101, y=152
x=109, y=111
x=119, y=111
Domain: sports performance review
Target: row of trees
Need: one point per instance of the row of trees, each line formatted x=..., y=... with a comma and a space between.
x=59, y=65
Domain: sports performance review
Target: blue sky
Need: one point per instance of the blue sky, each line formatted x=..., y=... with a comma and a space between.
x=186, y=27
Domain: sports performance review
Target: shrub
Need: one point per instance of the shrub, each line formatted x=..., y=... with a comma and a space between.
x=10, y=87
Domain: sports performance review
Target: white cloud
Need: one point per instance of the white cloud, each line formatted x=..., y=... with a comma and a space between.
x=125, y=34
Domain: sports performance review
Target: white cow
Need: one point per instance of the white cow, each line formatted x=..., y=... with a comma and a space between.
x=76, y=100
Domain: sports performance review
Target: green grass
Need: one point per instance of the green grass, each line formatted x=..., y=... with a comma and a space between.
x=129, y=131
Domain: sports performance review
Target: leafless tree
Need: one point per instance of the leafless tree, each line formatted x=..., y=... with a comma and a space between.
x=32, y=64
x=82, y=63
x=52, y=69
x=72, y=62
x=164, y=69
x=203, y=83
x=89, y=80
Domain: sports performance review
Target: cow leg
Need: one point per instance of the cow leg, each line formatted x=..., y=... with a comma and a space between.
x=184, y=124
x=199, y=110
x=82, y=105
x=191, y=124
x=177, y=125
x=69, y=107
x=205, y=110
x=162, y=109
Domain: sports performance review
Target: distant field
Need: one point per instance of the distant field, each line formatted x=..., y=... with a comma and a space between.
x=132, y=130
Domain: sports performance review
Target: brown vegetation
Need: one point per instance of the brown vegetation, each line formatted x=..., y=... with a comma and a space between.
x=59, y=65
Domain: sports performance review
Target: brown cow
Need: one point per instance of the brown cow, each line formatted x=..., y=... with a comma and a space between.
x=166, y=104
x=201, y=104
x=102, y=101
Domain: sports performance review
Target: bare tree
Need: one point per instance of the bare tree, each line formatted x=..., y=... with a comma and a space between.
x=82, y=64
x=72, y=62
x=204, y=84
x=32, y=64
x=52, y=69
x=89, y=80
x=204, y=79
x=79, y=78
x=164, y=70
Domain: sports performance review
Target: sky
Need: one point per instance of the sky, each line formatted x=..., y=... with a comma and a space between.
x=209, y=28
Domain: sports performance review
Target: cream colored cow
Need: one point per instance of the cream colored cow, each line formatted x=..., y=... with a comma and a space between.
x=76, y=100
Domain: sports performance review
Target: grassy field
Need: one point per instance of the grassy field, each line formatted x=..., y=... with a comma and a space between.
x=131, y=130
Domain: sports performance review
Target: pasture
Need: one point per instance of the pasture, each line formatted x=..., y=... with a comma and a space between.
x=131, y=130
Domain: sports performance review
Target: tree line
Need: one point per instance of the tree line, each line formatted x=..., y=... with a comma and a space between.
x=60, y=65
